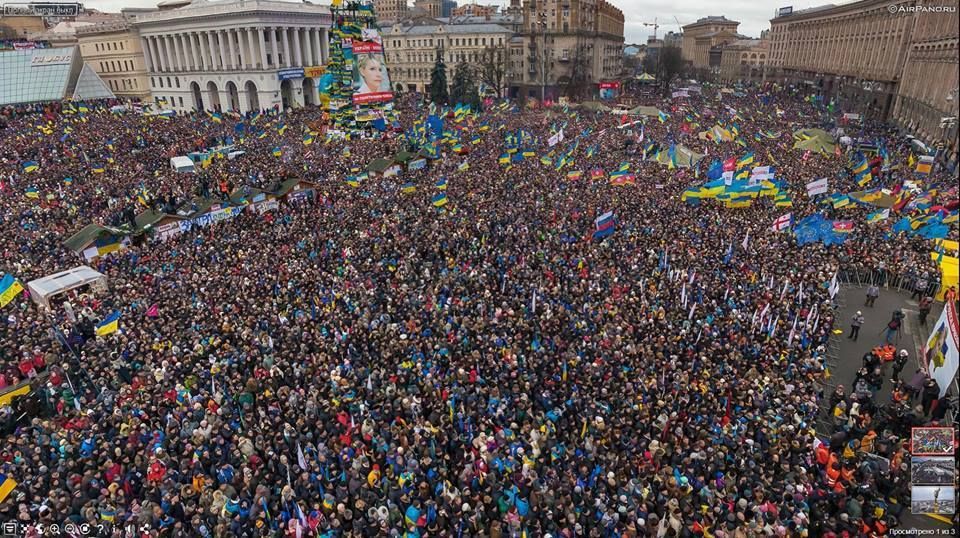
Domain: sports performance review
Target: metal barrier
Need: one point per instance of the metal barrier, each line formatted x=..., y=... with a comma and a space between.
x=862, y=277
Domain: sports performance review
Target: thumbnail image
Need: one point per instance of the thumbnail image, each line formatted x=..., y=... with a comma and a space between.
x=931, y=442
x=933, y=499
x=933, y=470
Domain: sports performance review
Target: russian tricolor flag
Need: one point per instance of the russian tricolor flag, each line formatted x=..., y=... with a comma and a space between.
x=605, y=225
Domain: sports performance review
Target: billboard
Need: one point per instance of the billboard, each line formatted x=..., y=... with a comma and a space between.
x=784, y=11
x=290, y=73
x=371, y=83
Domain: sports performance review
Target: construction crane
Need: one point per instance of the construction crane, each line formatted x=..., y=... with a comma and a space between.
x=655, y=26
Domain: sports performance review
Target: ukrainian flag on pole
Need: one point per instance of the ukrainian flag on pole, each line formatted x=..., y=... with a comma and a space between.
x=9, y=289
x=110, y=324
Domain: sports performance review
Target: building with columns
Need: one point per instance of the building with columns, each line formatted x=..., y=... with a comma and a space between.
x=880, y=58
x=235, y=54
x=743, y=60
x=113, y=50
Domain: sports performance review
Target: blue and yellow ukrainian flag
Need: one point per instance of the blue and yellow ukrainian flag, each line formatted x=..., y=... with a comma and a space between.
x=353, y=181
x=68, y=181
x=97, y=168
x=109, y=325
x=441, y=184
x=745, y=160
x=440, y=200
x=282, y=128
x=307, y=139
x=277, y=152
x=32, y=192
x=464, y=166
x=30, y=166
x=9, y=288
x=408, y=188
x=662, y=116
x=7, y=485
x=864, y=177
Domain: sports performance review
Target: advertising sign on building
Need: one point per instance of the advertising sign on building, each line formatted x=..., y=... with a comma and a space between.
x=41, y=9
x=315, y=71
x=291, y=73
x=42, y=58
x=371, y=83
x=784, y=11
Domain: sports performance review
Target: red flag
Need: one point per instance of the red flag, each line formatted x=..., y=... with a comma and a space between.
x=730, y=164
x=153, y=311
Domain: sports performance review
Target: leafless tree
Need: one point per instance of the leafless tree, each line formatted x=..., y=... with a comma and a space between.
x=492, y=67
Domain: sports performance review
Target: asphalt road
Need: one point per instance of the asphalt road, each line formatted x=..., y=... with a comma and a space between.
x=851, y=352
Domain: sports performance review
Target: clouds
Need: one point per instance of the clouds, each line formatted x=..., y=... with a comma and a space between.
x=753, y=16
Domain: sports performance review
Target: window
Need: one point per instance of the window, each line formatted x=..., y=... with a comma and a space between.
x=177, y=80
x=168, y=83
x=181, y=102
x=153, y=82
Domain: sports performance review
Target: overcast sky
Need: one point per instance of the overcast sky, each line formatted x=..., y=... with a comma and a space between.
x=753, y=15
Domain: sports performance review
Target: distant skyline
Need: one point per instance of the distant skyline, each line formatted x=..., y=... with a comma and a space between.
x=754, y=16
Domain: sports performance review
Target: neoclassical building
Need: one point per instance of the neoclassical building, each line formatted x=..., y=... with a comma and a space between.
x=885, y=59
x=113, y=50
x=235, y=54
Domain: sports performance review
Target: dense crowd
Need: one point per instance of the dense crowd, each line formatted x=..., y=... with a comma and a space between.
x=366, y=364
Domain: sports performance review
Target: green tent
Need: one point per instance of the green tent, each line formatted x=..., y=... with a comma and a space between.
x=686, y=157
x=644, y=77
x=404, y=156
x=379, y=165
x=651, y=111
x=595, y=105
x=90, y=233
x=814, y=140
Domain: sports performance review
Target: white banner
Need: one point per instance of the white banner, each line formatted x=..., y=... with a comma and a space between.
x=819, y=186
x=940, y=351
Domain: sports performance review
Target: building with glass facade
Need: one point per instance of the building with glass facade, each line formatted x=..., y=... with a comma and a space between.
x=32, y=75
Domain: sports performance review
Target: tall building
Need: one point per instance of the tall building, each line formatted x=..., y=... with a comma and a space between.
x=567, y=48
x=882, y=59
x=113, y=50
x=475, y=10
x=432, y=8
x=447, y=7
x=411, y=50
x=701, y=36
x=673, y=39
x=388, y=11
x=236, y=55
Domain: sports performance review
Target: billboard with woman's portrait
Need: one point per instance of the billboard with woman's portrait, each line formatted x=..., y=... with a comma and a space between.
x=371, y=83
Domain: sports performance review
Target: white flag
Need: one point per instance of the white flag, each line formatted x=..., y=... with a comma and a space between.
x=301, y=461
x=834, y=286
x=746, y=240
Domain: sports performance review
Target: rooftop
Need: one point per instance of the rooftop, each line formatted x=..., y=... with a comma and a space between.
x=712, y=19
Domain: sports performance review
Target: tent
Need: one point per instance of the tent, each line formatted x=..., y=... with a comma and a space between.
x=595, y=105
x=873, y=197
x=96, y=240
x=43, y=289
x=686, y=157
x=716, y=133
x=379, y=165
x=646, y=111
x=644, y=77
x=815, y=140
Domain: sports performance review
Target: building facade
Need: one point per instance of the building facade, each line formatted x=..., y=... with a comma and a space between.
x=475, y=10
x=36, y=73
x=927, y=92
x=744, y=60
x=567, y=46
x=388, y=11
x=885, y=60
x=701, y=36
x=113, y=50
x=411, y=50
x=241, y=55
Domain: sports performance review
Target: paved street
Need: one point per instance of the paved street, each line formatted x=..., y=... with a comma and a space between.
x=871, y=334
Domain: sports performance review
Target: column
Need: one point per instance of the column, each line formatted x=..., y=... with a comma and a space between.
x=221, y=38
x=242, y=40
x=285, y=36
x=171, y=53
x=317, y=54
x=211, y=51
x=147, y=55
x=155, y=46
x=297, y=46
x=232, y=48
x=263, y=49
x=195, y=50
x=178, y=52
x=324, y=45
x=273, y=47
